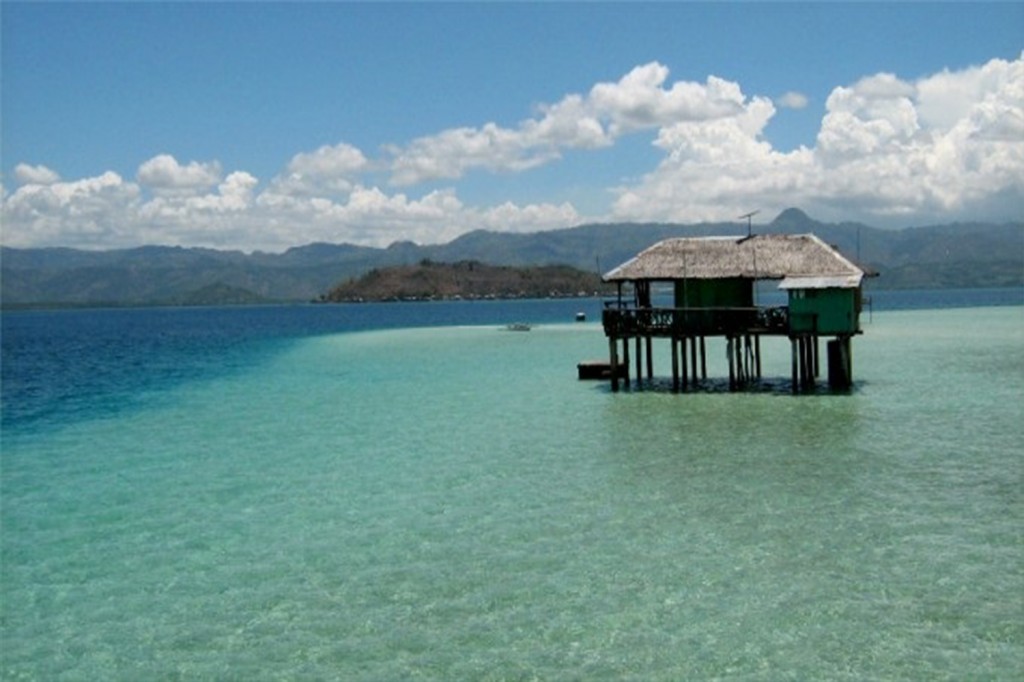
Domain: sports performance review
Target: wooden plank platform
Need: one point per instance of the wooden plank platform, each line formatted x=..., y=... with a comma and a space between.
x=598, y=369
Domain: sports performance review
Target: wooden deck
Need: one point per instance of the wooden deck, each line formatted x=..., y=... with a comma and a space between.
x=626, y=322
x=742, y=329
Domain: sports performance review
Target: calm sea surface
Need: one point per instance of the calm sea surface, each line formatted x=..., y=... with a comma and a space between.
x=408, y=491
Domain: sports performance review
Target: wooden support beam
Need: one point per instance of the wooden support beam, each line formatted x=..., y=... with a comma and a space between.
x=840, y=366
x=814, y=354
x=757, y=354
x=849, y=358
x=639, y=362
x=748, y=357
x=682, y=354
x=807, y=361
x=613, y=360
x=675, y=365
x=741, y=375
x=625, y=360
x=732, y=368
x=703, y=360
x=693, y=358
x=650, y=358
x=795, y=365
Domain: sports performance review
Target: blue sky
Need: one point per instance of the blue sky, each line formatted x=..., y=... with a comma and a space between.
x=268, y=125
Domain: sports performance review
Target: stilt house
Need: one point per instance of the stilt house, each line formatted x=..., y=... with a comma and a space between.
x=713, y=289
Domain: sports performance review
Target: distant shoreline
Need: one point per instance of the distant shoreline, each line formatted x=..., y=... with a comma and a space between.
x=882, y=299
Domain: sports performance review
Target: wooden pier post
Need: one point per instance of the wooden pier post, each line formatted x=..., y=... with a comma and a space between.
x=682, y=356
x=814, y=354
x=807, y=361
x=703, y=360
x=795, y=367
x=748, y=357
x=639, y=361
x=802, y=341
x=812, y=342
x=757, y=354
x=613, y=360
x=693, y=358
x=650, y=358
x=625, y=360
x=675, y=365
x=840, y=369
x=741, y=372
x=732, y=369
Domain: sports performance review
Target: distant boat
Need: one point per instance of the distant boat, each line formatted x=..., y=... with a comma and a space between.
x=518, y=327
x=581, y=317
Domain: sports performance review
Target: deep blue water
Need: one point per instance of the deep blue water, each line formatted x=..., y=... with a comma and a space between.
x=69, y=364
x=59, y=366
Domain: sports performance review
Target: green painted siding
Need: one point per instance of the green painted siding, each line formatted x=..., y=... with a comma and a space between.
x=708, y=294
x=824, y=311
x=714, y=293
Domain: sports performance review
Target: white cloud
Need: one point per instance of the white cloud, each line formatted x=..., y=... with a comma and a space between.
x=92, y=212
x=715, y=170
x=938, y=148
x=638, y=101
x=371, y=216
x=530, y=218
x=34, y=175
x=570, y=124
x=328, y=170
x=946, y=146
x=163, y=174
x=792, y=100
x=341, y=160
x=453, y=152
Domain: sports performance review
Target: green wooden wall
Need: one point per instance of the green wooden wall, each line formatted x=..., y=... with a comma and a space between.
x=734, y=292
x=824, y=311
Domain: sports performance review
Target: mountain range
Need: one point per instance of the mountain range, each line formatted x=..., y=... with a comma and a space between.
x=938, y=256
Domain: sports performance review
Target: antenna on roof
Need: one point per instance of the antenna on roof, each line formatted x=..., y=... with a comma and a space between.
x=748, y=216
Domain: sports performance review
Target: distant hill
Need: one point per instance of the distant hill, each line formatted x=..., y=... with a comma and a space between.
x=954, y=255
x=428, y=280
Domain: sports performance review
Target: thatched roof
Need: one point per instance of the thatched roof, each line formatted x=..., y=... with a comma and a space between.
x=763, y=256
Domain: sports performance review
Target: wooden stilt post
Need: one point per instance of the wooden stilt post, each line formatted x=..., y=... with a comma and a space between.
x=732, y=360
x=802, y=341
x=794, y=352
x=757, y=354
x=847, y=346
x=650, y=358
x=639, y=362
x=693, y=358
x=675, y=365
x=682, y=355
x=840, y=369
x=814, y=354
x=613, y=360
x=625, y=360
x=748, y=357
x=808, y=361
x=703, y=360
x=741, y=375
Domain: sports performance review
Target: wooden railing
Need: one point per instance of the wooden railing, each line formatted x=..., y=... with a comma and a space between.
x=624, y=321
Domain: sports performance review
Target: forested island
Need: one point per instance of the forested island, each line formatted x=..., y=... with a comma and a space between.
x=466, y=280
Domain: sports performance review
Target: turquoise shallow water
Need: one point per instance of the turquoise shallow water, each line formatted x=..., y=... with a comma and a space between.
x=450, y=503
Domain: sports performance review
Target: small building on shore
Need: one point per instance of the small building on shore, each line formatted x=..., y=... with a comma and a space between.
x=713, y=280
